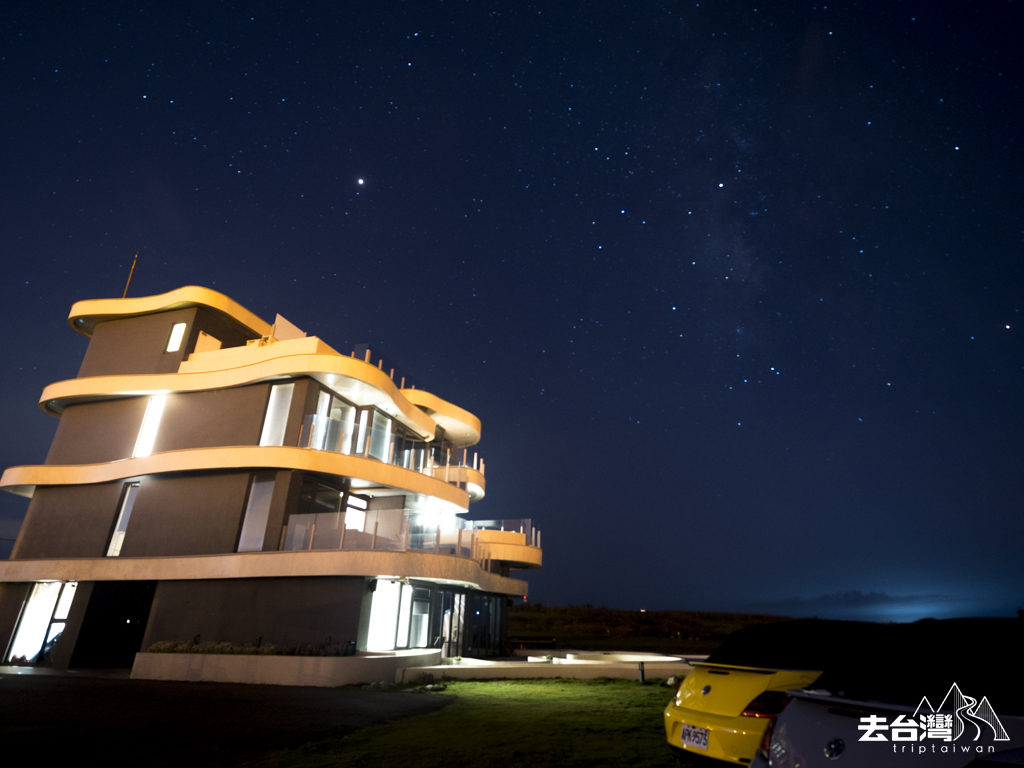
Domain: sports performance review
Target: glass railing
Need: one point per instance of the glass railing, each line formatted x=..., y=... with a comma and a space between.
x=394, y=530
x=518, y=525
x=322, y=433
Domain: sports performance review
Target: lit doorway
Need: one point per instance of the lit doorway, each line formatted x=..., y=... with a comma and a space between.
x=42, y=622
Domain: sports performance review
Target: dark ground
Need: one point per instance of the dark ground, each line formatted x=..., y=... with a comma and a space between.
x=78, y=719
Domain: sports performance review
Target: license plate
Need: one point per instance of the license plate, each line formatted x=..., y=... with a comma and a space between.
x=694, y=736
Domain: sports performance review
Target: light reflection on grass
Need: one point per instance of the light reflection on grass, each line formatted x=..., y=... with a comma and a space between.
x=534, y=723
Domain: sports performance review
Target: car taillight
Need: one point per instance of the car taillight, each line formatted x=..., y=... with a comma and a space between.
x=768, y=704
x=764, y=750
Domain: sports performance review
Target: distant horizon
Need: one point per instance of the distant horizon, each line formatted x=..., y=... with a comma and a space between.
x=895, y=610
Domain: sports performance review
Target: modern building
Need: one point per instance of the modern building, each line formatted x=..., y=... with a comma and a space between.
x=218, y=479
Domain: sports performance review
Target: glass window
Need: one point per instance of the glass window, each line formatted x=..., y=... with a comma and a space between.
x=176, y=337
x=380, y=634
x=299, y=533
x=127, y=502
x=404, y=614
x=276, y=421
x=317, y=430
x=257, y=511
x=150, y=425
x=380, y=437
x=317, y=521
x=67, y=595
x=342, y=425
x=323, y=404
x=331, y=426
x=419, y=625
x=42, y=621
x=364, y=418
x=355, y=513
x=327, y=534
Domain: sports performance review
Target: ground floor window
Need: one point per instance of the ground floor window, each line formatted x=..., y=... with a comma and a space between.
x=399, y=616
x=407, y=614
x=485, y=625
x=41, y=623
x=453, y=607
x=384, y=615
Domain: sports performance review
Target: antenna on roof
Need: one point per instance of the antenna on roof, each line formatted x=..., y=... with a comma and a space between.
x=130, y=273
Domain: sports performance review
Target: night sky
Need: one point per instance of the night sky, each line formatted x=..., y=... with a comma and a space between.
x=736, y=290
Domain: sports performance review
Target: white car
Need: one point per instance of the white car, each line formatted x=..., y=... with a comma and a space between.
x=947, y=693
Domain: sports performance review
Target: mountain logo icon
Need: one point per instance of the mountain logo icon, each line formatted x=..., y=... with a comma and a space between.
x=970, y=716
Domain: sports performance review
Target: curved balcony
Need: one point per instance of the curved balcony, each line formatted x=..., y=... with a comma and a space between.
x=514, y=543
x=515, y=549
x=250, y=565
x=367, y=474
x=460, y=426
x=358, y=381
x=457, y=467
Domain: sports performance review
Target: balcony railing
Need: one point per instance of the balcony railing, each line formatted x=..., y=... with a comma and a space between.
x=323, y=433
x=397, y=532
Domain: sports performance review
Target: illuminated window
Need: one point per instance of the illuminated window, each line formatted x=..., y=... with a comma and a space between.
x=254, y=527
x=384, y=607
x=364, y=417
x=355, y=513
x=150, y=425
x=330, y=427
x=123, y=515
x=42, y=621
x=342, y=424
x=380, y=437
x=404, y=613
x=276, y=421
x=176, y=337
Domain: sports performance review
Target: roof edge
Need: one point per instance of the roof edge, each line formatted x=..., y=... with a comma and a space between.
x=87, y=313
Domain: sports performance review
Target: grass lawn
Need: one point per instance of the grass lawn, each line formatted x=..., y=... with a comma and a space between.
x=535, y=723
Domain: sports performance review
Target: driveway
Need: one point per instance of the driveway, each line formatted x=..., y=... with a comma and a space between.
x=83, y=719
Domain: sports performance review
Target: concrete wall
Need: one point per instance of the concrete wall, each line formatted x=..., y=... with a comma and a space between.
x=68, y=521
x=304, y=397
x=283, y=612
x=229, y=332
x=475, y=669
x=136, y=344
x=96, y=432
x=186, y=515
x=212, y=418
x=61, y=657
x=106, y=430
x=280, y=670
x=198, y=514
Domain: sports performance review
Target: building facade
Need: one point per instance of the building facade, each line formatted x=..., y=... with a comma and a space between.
x=218, y=479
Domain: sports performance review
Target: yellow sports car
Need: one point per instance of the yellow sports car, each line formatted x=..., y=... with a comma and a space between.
x=723, y=707
x=722, y=710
